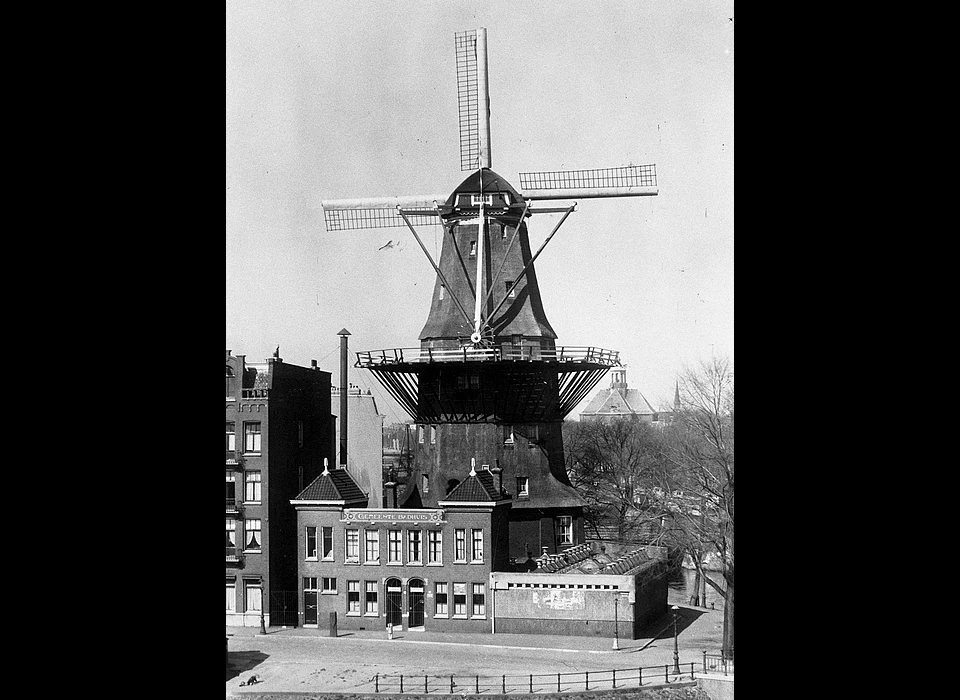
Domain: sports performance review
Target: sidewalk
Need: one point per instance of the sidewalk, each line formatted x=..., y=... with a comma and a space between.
x=298, y=660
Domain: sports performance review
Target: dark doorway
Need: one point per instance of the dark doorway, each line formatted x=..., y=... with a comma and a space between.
x=415, y=599
x=394, y=602
x=309, y=607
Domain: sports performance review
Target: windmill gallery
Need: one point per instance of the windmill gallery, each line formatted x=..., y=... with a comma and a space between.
x=487, y=533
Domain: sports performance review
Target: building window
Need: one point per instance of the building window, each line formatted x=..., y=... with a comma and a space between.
x=441, y=292
x=252, y=530
x=523, y=487
x=476, y=551
x=353, y=545
x=252, y=596
x=251, y=487
x=394, y=547
x=353, y=597
x=371, y=546
x=328, y=585
x=459, y=600
x=370, y=598
x=433, y=435
x=425, y=484
x=327, y=542
x=512, y=292
x=231, y=537
x=460, y=545
x=508, y=435
x=251, y=437
x=309, y=583
x=479, y=600
x=231, y=595
x=461, y=381
x=311, y=543
x=434, y=547
x=414, y=555
x=441, y=599
x=231, y=490
x=565, y=529
x=231, y=437
x=473, y=248
x=231, y=383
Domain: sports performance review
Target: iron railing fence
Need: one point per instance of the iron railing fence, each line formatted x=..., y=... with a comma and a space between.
x=506, y=353
x=715, y=663
x=533, y=682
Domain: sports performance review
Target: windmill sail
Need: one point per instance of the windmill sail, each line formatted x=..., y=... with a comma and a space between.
x=629, y=181
x=473, y=99
x=380, y=212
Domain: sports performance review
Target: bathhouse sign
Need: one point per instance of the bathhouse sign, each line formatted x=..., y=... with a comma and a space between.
x=427, y=516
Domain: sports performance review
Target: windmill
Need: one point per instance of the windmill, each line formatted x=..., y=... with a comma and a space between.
x=488, y=356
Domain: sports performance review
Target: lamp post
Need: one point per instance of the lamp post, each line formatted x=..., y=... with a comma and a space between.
x=616, y=628
x=263, y=627
x=676, y=649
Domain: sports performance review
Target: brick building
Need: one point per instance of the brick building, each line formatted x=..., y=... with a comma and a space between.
x=414, y=568
x=279, y=429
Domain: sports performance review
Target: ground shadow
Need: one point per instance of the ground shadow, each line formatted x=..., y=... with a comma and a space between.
x=662, y=627
x=242, y=661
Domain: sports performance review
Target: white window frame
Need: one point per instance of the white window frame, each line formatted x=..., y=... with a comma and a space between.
x=371, y=537
x=354, y=587
x=441, y=588
x=257, y=483
x=565, y=529
x=482, y=614
x=434, y=545
x=474, y=559
x=460, y=538
x=394, y=546
x=322, y=541
x=368, y=588
x=355, y=557
x=247, y=530
x=325, y=589
x=414, y=558
x=316, y=549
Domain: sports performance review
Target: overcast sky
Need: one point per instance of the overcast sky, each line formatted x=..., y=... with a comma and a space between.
x=329, y=100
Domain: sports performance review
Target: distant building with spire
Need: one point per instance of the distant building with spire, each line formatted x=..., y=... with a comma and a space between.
x=619, y=401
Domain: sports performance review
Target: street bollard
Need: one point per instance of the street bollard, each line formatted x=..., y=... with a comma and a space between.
x=333, y=624
x=389, y=630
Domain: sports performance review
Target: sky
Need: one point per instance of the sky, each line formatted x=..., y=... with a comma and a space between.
x=333, y=100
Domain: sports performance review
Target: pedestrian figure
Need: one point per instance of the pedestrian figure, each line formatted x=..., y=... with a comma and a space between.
x=250, y=681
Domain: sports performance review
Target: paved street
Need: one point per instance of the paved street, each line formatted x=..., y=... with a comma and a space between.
x=302, y=660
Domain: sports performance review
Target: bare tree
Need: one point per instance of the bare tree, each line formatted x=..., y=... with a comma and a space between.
x=610, y=464
x=699, y=472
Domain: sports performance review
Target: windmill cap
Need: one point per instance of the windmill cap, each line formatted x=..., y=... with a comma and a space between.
x=343, y=331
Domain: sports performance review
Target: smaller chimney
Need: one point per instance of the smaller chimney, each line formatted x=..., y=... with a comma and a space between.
x=313, y=364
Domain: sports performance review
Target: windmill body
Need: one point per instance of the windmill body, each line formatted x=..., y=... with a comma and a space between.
x=488, y=378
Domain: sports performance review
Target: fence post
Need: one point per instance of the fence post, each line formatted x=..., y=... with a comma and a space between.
x=558, y=682
x=425, y=684
x=586, y=685
x=376, y=682
x=704, y=662
x=666, y=673
x=531, y=682
x=503, y=684
x=639, y=676
x=614, y=678
x=476, y=687
x=401, y=682
x=451, y=684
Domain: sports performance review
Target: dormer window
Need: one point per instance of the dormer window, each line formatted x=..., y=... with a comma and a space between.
x=231, y=382
x=476, y=200
x=473, y=249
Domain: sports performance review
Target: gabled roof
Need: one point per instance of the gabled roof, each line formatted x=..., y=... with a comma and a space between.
x=619, y=401
x=479, y=487
x=335, y=486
